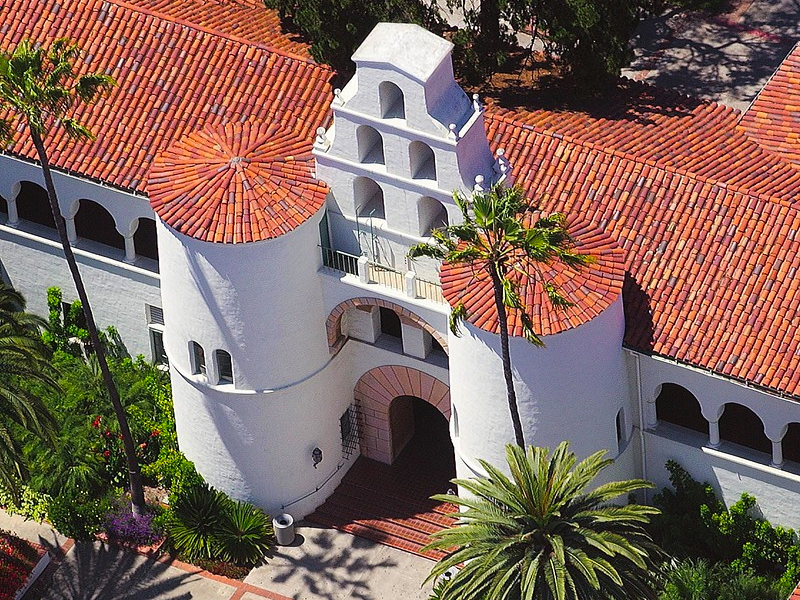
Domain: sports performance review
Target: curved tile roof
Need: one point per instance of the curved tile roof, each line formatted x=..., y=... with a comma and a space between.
x=591, y=290
x=241, y=182
x=668, y=129
x=714, y=270
x=173, y=78
x=247, y=20
x=773, y=120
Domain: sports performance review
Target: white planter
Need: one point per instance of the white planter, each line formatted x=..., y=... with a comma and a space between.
x=35, y=573
x=284, y=529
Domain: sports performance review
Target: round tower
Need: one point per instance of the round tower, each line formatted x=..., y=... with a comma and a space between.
x=575, y=388
x=239, y=211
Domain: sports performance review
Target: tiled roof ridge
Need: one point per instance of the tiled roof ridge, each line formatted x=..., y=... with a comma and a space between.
x=215, y=32
x=766, y=85
x=553, y=134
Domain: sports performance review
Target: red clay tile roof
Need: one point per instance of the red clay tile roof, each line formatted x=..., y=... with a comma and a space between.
x=241, y=182
x=591, y=290
x=247, y=20
x=664, y=128
x=796, y=594
x=714, y=271
x=173, y=79
x=773, y=120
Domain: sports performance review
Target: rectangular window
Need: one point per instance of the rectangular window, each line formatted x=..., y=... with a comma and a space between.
x=155, y=315
x=224, y=367
x=157, y=346
x=198, y=359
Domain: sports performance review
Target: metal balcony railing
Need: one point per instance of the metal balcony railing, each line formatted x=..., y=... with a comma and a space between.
x=373, y=272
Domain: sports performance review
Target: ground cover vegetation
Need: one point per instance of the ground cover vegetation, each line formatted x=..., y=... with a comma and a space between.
x=78, y=482
x=17, y=560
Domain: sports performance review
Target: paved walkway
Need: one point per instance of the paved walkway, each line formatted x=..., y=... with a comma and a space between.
x=726, y=57
x=322, y=563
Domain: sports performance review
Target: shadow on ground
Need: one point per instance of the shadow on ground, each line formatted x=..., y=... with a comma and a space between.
x=101, y=572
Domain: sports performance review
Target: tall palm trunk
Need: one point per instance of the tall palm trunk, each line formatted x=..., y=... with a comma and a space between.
x=511, y=393
x=134, y=474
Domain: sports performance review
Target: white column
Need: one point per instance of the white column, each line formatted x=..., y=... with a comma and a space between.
x=411, y=284
x=72, y=234
x=13, y=215
x=777, y=453
x=713, y=433
x=415, y=341
x=650, y=414
x=363, y=269
x=130, y=249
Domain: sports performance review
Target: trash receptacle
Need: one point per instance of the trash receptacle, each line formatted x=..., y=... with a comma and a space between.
x=284, y=529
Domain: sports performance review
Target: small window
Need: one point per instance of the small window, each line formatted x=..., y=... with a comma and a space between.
x=390, y=323
x=369, y=198
x=198, y=359
x=224, y=367
x=423, y=161
x=370, y=145
x=155, y=314
x=157, y=346
x=620, y=429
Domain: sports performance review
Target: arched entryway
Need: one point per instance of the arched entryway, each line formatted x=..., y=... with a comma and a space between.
x=376, y=391
x=406, y=457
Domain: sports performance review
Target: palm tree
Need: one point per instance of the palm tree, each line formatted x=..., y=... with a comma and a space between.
x=541, y=535
x=41, y=87
x=495, y=236
x=23, y=361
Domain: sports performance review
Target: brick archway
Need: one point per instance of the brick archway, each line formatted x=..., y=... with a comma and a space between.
x=374, y=393
x=334, y=323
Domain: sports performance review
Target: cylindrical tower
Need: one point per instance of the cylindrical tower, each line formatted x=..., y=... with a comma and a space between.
x=245, y=333
x=575, y=388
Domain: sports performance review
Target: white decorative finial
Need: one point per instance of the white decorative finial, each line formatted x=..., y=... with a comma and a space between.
x=476, y=103
x=453, y=134
x=501, y=165
x=337, y=97
x=322, y=141
x=478, y=187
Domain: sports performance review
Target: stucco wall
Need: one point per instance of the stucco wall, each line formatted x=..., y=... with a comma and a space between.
x=118, y=292
x=572, y=389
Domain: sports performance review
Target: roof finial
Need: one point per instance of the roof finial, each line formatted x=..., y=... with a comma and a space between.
x=453, y=134
x=501, y=164
x=476, y=103
x=322, y=141
x=337, y=97
x=478, y=187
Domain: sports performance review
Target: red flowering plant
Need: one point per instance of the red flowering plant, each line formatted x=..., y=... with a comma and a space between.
x=17, y=560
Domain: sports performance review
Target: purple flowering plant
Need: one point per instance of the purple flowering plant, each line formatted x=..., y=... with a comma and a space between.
x=122, y=525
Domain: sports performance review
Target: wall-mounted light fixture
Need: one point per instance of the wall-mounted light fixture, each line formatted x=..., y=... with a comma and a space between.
x=316, y=456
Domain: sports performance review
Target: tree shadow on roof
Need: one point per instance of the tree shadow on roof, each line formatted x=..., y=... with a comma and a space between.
x=639, y=330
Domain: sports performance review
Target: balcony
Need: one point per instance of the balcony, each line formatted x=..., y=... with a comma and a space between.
x=375, y=273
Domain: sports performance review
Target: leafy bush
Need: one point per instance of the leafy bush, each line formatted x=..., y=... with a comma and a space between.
x=697, y=580
x=245, y=534
x=31, y=504
x=78, y=516
x=195, y=520
x=205, y=524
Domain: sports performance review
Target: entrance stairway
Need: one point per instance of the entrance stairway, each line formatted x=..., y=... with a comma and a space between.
x=389, y=504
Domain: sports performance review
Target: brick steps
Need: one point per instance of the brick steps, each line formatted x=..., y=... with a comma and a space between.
x=375, y=503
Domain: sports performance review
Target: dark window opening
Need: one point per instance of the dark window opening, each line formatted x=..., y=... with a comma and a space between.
x=620, y=427
x=677, y=405
x=348, y=425
x=436, y=346
x=390, y=323
x=157, y=347
x=198, y=359
x=791, y=443
x=93, y=222
x=742, y=426
x=224, y=367
x=33, y=205
x=144, y=240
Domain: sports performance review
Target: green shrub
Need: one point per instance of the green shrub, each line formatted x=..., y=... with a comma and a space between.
x=31, y=504
x=245, y=534
x=78, y=516
x=205, y=524
x=698, y=580
x=195, y=520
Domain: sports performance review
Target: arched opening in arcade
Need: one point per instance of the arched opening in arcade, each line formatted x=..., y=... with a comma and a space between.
x=421, y=441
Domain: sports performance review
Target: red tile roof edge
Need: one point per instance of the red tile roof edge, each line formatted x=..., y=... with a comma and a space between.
x=216, y=32
x=766, y=85
x=633, y=157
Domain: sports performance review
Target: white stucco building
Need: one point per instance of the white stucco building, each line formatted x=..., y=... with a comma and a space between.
x=250, y=224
